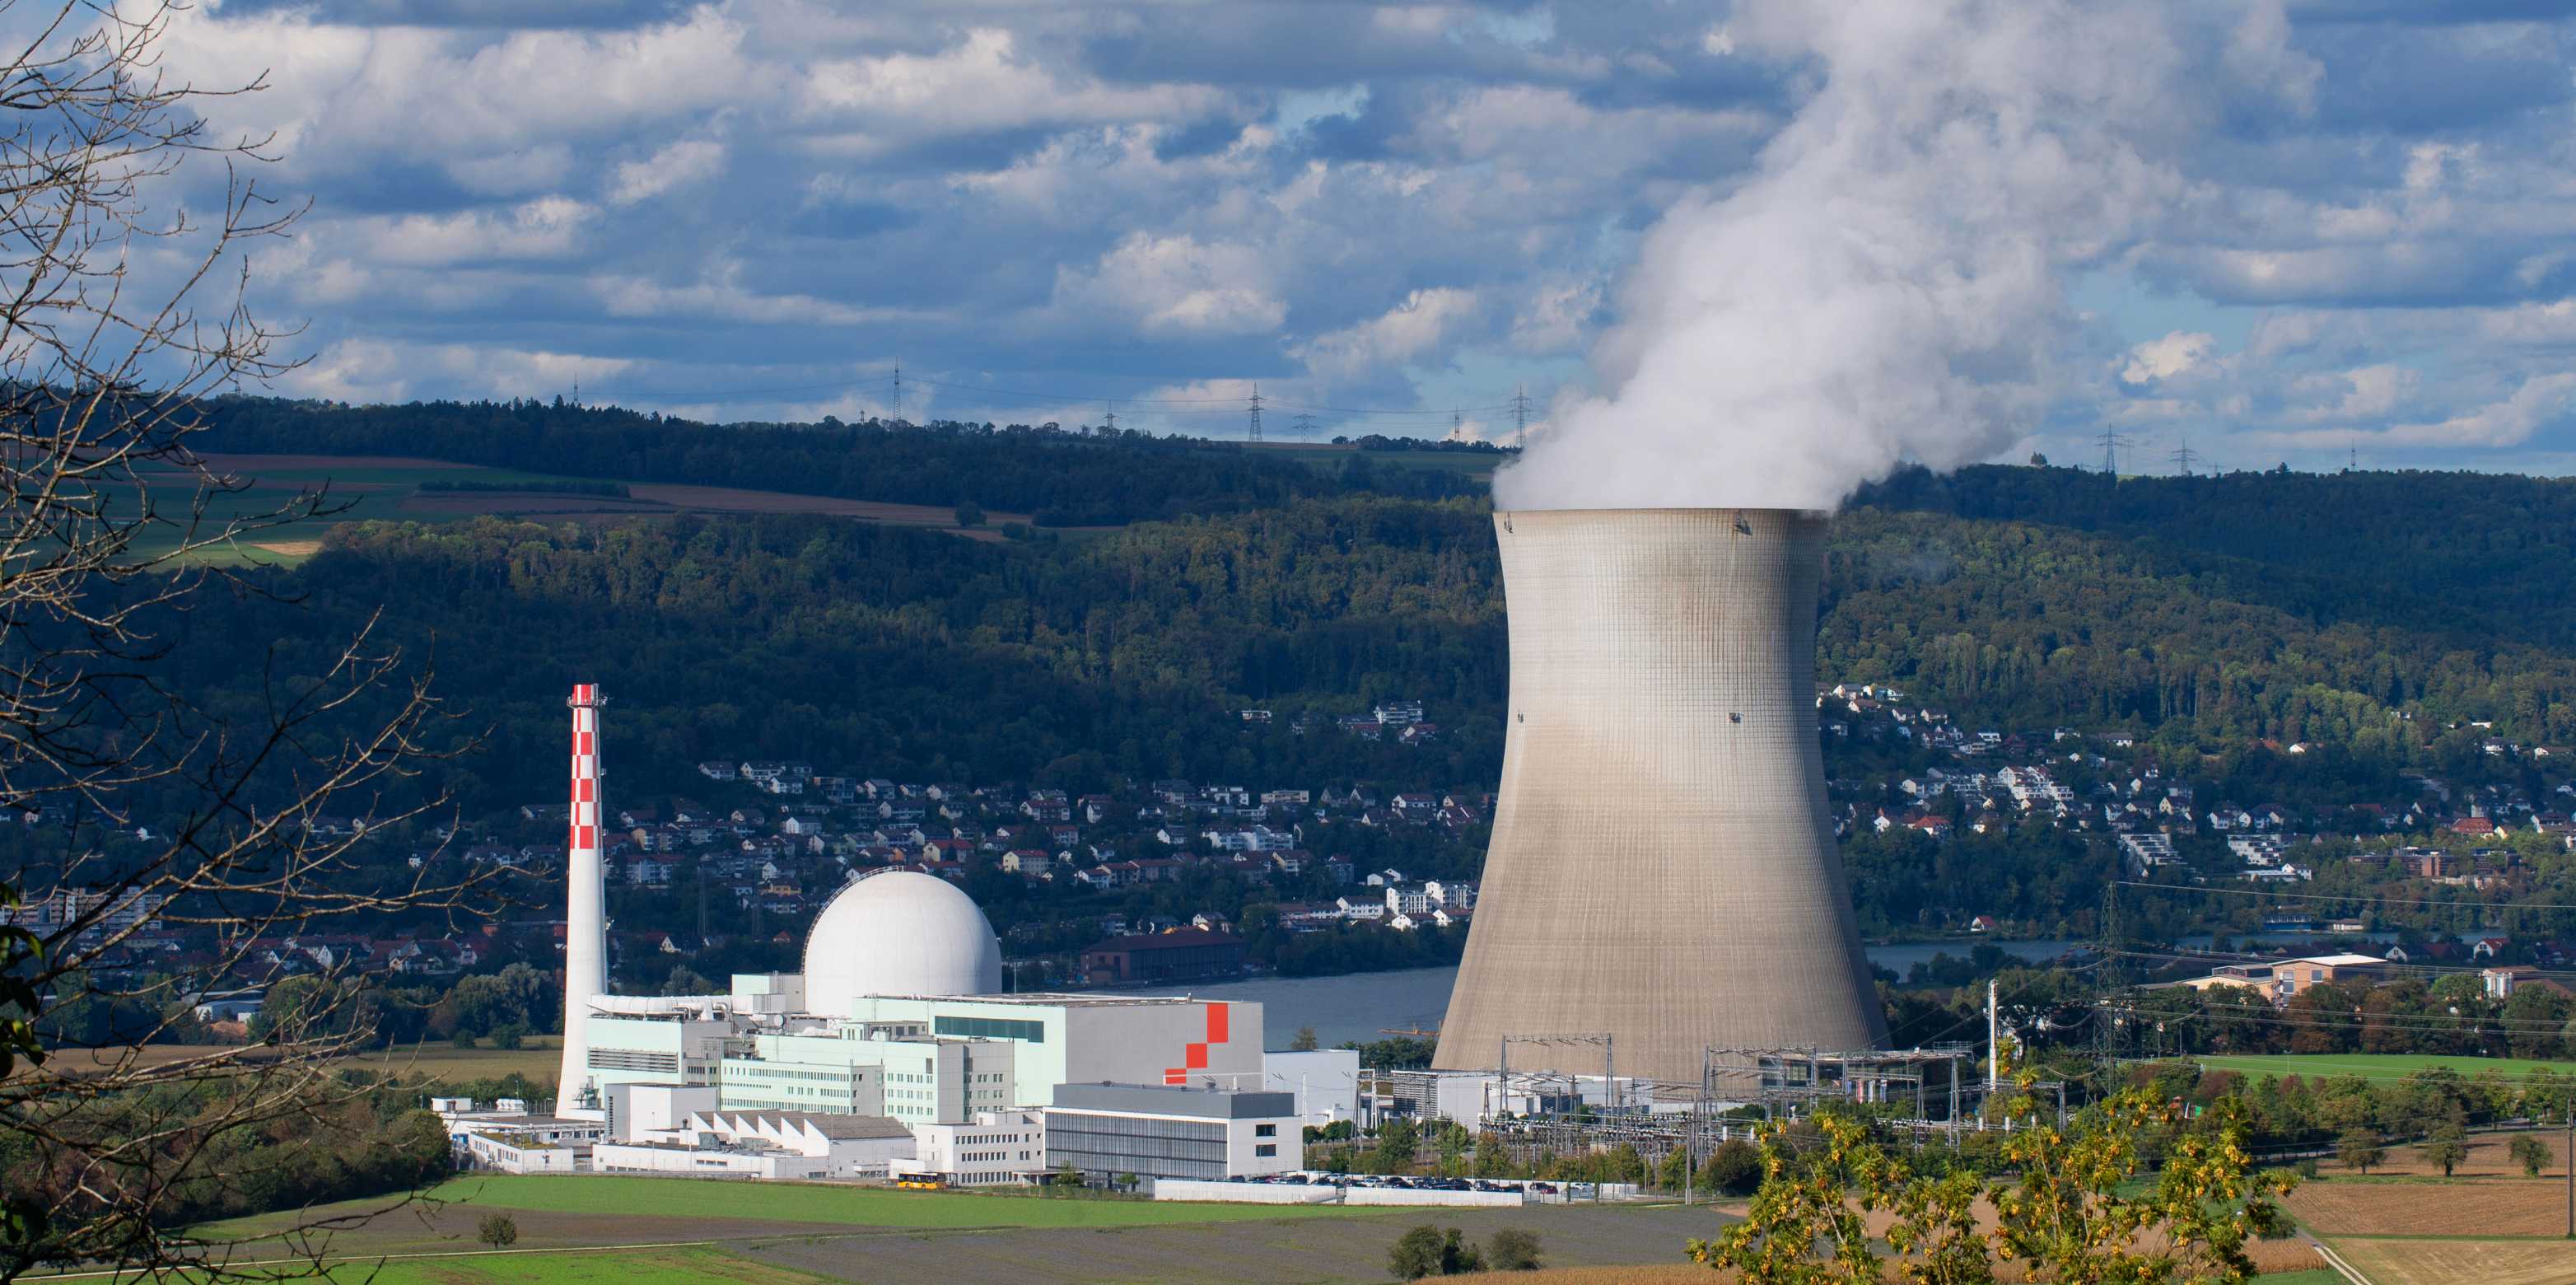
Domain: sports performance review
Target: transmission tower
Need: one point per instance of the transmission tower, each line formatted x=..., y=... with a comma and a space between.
x=1520, y=414
x=1457, y=425
x=2111, y=441
x=898, y=391
x=1254, y=434
x=1305, y=426
x=1111, y=420
x=2184, y=458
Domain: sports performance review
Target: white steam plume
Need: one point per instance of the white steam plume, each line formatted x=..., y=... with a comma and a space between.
x=1889, y=283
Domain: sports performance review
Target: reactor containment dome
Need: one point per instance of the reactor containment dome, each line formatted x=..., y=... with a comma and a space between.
x=1662, y=869
x=898, y=932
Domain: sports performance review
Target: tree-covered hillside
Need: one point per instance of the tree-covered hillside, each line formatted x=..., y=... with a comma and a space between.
x=908, y=653
x=1062, y=477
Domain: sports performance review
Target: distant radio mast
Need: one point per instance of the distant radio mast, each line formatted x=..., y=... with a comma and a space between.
x=1254, y=433
x=1113, y=417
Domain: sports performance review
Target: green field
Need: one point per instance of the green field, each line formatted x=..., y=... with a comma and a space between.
x=354, y=491
x=772, y=1202
x=842, y=1206
x=675, y=1266
x=2371, y=1066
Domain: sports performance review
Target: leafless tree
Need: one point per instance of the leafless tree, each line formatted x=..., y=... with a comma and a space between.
x=119, y=311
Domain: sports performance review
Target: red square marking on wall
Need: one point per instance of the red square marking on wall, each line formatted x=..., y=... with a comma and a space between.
x=1218, y=1022
x=1175, y=1075
x=1194, y=1056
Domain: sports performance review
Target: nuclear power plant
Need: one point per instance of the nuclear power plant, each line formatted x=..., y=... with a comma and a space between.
x=1662, y=878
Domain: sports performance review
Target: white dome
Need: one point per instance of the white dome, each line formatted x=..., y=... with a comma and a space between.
x=899, y=932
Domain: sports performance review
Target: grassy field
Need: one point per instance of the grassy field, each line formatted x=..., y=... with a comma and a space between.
x=360, y=488
x=539, y=1059
x=674, y=1266
x=672, y=1201
x=2371, y=1066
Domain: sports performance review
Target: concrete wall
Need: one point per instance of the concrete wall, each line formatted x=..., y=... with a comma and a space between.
x=1282, y=1193
x=1662, y=867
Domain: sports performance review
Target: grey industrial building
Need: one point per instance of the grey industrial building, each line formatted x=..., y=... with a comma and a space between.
x=1662, y=868
x=1167, y=1131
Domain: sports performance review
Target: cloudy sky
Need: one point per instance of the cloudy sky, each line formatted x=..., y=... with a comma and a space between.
x=1382, y=214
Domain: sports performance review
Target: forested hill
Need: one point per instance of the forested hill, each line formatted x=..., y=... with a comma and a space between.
x=1062, y=477
x=919, y=656
x=2491, y=554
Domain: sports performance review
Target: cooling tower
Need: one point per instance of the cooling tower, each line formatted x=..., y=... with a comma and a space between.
x=1662, y=869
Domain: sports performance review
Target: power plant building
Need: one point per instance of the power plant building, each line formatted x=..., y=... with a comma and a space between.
x=895, y=1020
x=1662, y=870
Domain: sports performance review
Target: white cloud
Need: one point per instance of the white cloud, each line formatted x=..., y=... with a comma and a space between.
x=1178, y=285
x=1402, y=334
x=2167, y=357
x=683, y=164
x=984, y=82
x=2542, y=399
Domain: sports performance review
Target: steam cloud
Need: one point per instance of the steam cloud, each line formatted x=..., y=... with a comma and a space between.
x=1889, y=283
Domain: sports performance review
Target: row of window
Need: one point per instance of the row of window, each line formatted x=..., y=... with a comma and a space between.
x=633, y=1060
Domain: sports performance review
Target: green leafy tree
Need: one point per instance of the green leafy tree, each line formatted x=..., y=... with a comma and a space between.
x=2529, y=1152
x=1512, y=1249
x=2073, y=1208
x=500, y=1231
x=2447, y=1145
x=1305, y=1041
x=1432, y=1251
x=2359, y=1149
x=1397, y=1141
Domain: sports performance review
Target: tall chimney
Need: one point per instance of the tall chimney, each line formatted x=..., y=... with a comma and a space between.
x=1662, y=868
x=585, y=914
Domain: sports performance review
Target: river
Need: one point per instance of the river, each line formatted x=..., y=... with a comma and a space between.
x=1359, y=1007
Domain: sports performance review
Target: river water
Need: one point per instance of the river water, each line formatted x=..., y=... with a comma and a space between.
x=1366, y=1006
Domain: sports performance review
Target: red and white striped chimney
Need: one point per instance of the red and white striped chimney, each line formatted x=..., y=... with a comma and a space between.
x=585, y=911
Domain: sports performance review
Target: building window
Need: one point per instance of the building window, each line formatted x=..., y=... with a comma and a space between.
x=991, y=1028
x=1266, y=1149
x=1265, y=1131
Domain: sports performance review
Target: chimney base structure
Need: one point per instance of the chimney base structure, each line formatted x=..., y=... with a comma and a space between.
x=585, y=911
x=1662, y=869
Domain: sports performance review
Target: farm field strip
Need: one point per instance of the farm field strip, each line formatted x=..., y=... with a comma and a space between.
x=2371, y=1066
x=2453, y=1262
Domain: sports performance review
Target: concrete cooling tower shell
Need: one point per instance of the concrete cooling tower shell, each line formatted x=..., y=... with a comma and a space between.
x=1662, y=868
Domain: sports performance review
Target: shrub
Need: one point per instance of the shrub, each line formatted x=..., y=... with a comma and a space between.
x=1432, y=1251
x=497, y=1230
x=1512, y=1249
x=1734, y=1168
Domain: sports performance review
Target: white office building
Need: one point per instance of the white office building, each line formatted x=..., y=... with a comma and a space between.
x=995, y=1148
